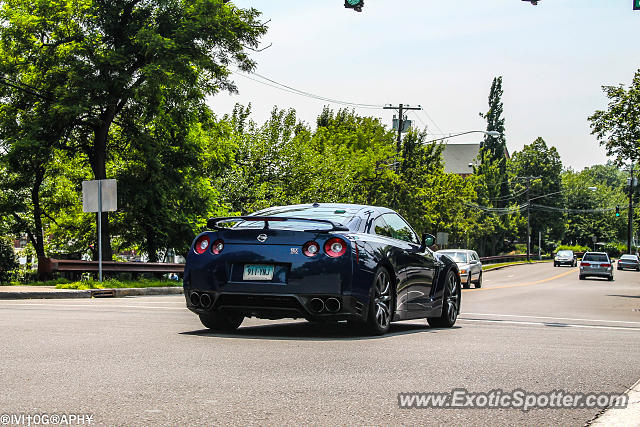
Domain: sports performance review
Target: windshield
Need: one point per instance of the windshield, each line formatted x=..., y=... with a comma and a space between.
x=337, y=215
x=565, y=253
x=596, y=257
x=457, y=256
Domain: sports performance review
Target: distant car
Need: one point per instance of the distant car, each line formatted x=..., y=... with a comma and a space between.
x=565, y=257
x=596, y=264
x=629, y=261
x=469, y=265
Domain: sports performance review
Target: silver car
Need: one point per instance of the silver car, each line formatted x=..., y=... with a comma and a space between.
x=565, y=257
x=469, y=265
x=629, y=261
x=596, y=264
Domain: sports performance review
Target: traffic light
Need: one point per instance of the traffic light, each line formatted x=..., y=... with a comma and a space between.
x=617, y=210
x=356, y=5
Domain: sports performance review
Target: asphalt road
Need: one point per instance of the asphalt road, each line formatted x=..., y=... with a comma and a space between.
x=148, y=361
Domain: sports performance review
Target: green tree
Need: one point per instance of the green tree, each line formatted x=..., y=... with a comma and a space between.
x=541, y=161
x=118, y=54
x=585, y=217
x=618, y=127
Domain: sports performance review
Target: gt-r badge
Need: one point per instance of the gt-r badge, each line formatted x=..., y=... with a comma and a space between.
x=294, y=251
x=262, y=237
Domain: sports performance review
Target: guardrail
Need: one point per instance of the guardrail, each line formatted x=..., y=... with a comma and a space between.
x=504, y=258
x=74, y=267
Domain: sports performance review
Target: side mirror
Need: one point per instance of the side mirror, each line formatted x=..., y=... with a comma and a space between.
x=427, y=240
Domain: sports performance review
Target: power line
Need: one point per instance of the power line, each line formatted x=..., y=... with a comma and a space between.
x=286, y=88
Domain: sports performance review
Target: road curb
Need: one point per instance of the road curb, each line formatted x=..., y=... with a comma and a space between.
x=629, y=416
x=72, y=293
x=46, y=294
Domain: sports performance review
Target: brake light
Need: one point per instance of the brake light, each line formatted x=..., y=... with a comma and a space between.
x=585, y=263
x=217, y=246
x=311, y=248
x=605, y=265
x=201, y=244
x=335, y=247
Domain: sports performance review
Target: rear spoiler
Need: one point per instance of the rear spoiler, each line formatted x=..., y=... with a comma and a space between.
x=214, y=223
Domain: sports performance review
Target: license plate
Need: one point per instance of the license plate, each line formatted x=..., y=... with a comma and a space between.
x=257, y=272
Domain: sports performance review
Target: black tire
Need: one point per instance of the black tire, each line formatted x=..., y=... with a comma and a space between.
x=450, y=303
x=479, y=281
x=619, y=268
x=575, y=263
x=221, y=321
x=381, y=303
x=637, y=268
x=467, y=284
x=581, y=277
x=555, y=264
x=610, y=278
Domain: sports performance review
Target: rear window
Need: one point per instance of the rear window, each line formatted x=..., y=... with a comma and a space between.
x=457, y=256
x=595, y=257
x=631, y=257
x=338, y=215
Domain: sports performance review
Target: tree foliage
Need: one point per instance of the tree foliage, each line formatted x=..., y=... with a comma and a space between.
x=618, y=127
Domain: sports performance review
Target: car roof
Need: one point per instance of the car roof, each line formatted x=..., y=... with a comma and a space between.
x=356, y=207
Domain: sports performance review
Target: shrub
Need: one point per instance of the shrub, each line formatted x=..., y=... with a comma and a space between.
x=574, y=248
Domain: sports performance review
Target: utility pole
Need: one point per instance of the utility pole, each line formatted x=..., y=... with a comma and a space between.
x=528, y=179
x=401, y=108
x=630, y=225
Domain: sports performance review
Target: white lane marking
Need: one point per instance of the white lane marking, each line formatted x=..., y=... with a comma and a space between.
x=89, y=305
x=550, y=318
x=559, y=325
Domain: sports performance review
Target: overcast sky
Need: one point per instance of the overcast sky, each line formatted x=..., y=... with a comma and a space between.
x=443, y=55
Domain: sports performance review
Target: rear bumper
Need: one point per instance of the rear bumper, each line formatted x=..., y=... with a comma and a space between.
x=622, y=266
x=564, y=262
x=278, y=306
x=590, y=273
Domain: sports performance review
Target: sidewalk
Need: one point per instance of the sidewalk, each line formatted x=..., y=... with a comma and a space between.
x=50, y=292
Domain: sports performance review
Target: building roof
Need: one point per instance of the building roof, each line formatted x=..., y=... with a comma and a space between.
x=456, y=157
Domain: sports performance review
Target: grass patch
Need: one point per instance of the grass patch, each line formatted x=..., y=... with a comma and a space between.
x=114, y=283
x=503, y=264
x=55, y=282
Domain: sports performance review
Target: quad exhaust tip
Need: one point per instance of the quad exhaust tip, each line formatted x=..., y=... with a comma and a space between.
x=195, y=298
x=333, y=305
x=316, y=305
x=205, y=300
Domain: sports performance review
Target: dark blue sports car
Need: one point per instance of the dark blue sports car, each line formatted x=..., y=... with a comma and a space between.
x=321, y=262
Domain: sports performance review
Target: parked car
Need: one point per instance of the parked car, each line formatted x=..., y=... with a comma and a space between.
x=629, y=261
x=321, y=262
x=565, y=257
x=596, y=264
x=469, y=266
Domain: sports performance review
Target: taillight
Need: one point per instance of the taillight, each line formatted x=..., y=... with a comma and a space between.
x=605, y=265
x=585, y=263
x=201, y=244
x=335, y=247
x=217, y=246
x=311, y=248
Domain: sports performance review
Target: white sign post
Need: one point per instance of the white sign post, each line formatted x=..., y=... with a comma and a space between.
x=100, y=196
